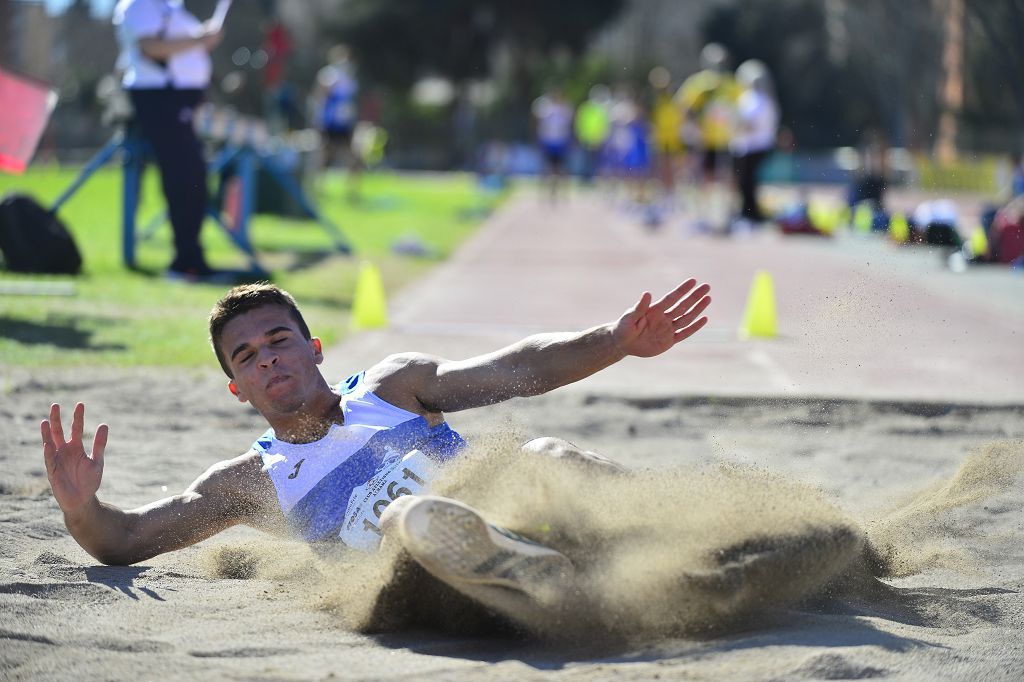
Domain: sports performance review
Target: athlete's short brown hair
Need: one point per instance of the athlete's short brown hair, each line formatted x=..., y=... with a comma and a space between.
x=242, y=299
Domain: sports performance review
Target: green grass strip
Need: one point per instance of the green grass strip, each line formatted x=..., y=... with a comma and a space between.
x=119, y=317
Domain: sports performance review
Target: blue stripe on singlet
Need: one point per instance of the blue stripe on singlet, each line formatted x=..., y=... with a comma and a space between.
x=320, y=513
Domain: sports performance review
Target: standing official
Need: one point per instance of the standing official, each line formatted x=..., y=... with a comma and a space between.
x=757, y=123
x=166, y=62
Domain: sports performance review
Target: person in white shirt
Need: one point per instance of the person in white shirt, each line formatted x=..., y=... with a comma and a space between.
x=758, y=123
x=166, y=67
x=554, y=117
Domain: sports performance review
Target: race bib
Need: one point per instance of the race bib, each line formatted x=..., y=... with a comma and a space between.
x=398, y=475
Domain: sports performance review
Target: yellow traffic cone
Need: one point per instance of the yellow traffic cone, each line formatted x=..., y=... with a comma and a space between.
x=979, y=242
x=899, y=229
x=759, y=318
x=369, y=306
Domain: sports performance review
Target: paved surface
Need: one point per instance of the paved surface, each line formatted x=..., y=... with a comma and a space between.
x=857, y=317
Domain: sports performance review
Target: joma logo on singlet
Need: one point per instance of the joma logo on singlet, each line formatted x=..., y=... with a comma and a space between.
x=297, y=465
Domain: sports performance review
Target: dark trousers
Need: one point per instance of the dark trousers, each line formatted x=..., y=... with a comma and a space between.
x=747, y=167
x=164, y=117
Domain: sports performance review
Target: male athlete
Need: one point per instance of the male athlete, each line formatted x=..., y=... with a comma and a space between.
x=346, y=463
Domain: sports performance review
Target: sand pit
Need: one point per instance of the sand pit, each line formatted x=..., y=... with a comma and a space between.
x=738, y=549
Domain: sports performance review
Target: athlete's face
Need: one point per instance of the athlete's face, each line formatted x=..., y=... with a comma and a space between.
x=274, y=367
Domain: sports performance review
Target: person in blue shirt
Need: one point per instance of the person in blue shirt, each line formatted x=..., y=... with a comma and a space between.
x=336, y=103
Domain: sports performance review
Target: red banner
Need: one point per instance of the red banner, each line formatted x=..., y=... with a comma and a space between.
x=25, y=107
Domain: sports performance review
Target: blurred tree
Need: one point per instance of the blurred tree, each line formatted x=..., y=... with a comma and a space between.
x=519, y=47
x=901, y=82
x=6, y=44
x=994, y=62
x=834, y=82
x=399, y=41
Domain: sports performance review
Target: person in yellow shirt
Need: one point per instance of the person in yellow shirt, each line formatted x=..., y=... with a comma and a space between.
x=667, y=125
x=708, y=100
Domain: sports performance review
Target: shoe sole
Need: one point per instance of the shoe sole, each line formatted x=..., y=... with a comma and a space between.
x=456, y=545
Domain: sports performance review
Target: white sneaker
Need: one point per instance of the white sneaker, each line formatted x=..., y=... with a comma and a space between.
x=454, y=543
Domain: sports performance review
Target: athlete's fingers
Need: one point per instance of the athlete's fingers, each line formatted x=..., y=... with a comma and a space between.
x=692, y=313
x=78, y=422
x=644, y=303
x=687, y=332
x=684, y=304
x=49, y=452
x=671, y=297
x=56, y=430
x=99, y=443
x=640, y=309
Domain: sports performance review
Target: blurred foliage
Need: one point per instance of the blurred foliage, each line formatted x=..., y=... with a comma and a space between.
x=844, y=69
x=994, y=92
x=834, y=83
x=403, y=40
x=519, y=47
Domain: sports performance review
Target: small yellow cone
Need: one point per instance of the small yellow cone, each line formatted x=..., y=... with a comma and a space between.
x=759, y=318
x=863, y=217
x=899, y=230
x=979, y=242
x=369, y=305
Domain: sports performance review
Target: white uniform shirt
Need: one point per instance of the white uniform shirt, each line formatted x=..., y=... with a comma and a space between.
x=138, y=19
x=759, y=123
x=554, y=121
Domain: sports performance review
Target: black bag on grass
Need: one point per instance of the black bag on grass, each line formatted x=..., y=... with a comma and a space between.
x=33, y=240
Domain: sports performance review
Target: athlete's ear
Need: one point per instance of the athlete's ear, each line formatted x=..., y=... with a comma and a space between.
x=234, y=391
x=318, y=350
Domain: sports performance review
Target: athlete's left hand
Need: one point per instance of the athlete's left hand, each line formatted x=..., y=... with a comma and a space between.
x=648, y=329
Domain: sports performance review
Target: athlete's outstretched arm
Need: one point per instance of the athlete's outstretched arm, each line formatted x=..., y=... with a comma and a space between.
x=223, y=496
x=543, y=362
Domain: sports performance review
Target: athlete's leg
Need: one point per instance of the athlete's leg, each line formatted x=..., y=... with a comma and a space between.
x=501, y=570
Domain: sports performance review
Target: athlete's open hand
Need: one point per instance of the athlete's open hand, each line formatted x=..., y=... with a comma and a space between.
x=648, y=329
x=74, y=474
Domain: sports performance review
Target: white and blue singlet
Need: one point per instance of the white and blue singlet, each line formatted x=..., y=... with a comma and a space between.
x=337, y=487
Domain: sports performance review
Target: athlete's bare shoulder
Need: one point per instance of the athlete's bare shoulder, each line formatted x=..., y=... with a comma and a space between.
x=399, y=379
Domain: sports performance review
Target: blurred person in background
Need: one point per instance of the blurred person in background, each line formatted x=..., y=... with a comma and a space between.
x=708, y=100
x=165, y=64
x=554, y=120
x=279, y=94
x=869, y=184
x=757, y=124
x=1016, y=175
x=629, y=153
x=336, y=111
x=593, y=126
x=667, y=129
